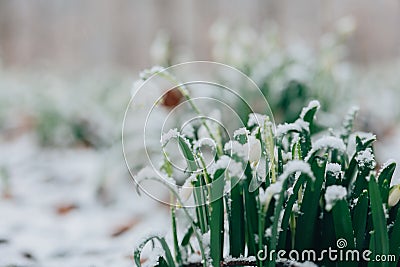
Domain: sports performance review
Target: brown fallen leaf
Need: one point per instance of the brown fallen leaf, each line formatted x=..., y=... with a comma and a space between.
x=119, y=230
x=64, y=209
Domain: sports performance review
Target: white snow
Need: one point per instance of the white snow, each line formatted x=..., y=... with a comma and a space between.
x=188, y=131
x=311, y=105
x=384, y=166
x=205, y=238
x=257, y=119
x=204, y=142
x=254, y=149
x=236, y=148
x=235, y=169
x=221, y=163
x=271, y=191
x=241, y=131
x=144, y=75
x=334, y=168
x=296, y=166
x=166, y=137
x=298, y=126
x=366, y=159
x=334, y=193
x=327, y=142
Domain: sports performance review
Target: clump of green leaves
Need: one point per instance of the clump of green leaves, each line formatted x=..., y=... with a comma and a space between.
x=283, y=188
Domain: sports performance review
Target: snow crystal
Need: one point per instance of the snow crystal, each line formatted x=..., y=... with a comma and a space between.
x=188, y=131
x=236, y=148
x=296, y=166
x=256, y=239
x=268, y=232
x=241, y=131
x=172, y=133
x=257, y=119
x=206, y=239
x=274, y=188
x=203, y=141
x=334, y=193
x=194, y=258
x=366, y=159
x=235, y=169
x=290, y=191
x=250, y=151
x=296, y=208
x=311, y=105
x=261, y=194
x=330, y=142
x=221, y=163
x=335, y=169
x=298, y=126
x=385, y=211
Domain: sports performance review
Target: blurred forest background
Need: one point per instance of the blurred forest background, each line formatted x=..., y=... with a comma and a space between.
x=76, y=35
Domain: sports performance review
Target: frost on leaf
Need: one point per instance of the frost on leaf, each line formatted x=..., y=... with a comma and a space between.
x=166, y=137
x=334, y=193
x=334, y=169
x=311, y=105
x=366, y=159
x=257, y=119
x=296, y=166
x=327, y=142
x=235, y=169
x=298, y=126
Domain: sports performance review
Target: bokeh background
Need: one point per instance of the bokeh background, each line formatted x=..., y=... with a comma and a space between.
x=67, y=70
x=93, y=34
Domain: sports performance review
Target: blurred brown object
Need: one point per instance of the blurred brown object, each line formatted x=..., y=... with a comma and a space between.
x=172, y=98
x=119, y=230
x=64, y=209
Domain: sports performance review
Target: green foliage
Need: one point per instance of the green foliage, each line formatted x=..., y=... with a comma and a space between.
x=314, y=193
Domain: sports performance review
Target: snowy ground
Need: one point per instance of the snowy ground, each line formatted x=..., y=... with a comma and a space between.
x=55, y=215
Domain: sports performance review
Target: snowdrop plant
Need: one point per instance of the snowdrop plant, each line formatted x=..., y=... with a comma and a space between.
x=285, y=188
